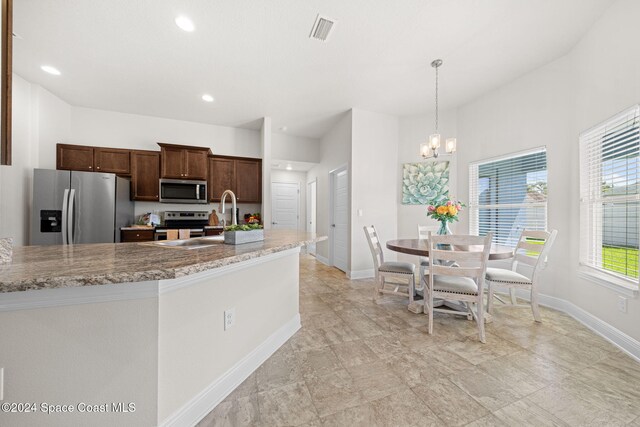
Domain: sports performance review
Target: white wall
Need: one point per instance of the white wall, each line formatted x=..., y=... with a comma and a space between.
x=374, y=185
x=550, y=106
x=15, y=180
x=296, y=177
x=335, y=151
x=295, y=148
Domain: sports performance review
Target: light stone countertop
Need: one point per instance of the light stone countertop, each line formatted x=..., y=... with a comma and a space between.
x=42, y=267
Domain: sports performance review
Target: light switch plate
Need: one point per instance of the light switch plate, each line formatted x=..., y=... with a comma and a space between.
x=622, y=304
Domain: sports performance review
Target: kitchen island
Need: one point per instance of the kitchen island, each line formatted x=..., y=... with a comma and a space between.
x=140, y=334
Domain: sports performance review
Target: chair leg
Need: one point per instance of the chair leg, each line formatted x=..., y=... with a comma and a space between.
x=534, y=304
x=512, y=293
x=490, y=299
x=376, y=289
x=412, y=288
x=428, y=304
x=480, y=318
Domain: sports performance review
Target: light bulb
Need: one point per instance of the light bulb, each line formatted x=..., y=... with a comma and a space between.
x=450, y=145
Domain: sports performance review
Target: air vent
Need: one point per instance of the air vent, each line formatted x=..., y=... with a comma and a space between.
x=322, y=28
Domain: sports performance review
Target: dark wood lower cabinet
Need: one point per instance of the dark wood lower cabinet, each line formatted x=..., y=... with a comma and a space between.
x=145, y=176
x=141, y=235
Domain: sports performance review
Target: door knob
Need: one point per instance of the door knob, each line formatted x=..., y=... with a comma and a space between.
x=333, y=225
x=274, y=223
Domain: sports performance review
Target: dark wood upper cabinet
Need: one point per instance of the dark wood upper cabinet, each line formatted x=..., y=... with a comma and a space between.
x=74, y=157
x=112, y=160
x=241, y=175
x=183, y=162
x=221, y=177
x=196, y=164
x=145, y=175
x=249, y=181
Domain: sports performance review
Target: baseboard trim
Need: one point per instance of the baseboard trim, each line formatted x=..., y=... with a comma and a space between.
x=361, y=274
x=322, y=259
x=615, y=336
x=204, y=402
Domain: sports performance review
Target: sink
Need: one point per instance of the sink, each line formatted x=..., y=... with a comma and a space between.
x=195, y=243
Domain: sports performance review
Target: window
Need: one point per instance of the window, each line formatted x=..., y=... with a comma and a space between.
x=610, y=197
x=509, y=194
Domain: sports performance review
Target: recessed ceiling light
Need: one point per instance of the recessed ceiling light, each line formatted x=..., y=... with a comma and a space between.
x=283, y=128
x=207, y=98
x=185, y=24
x=289, y=167
x=51, y=70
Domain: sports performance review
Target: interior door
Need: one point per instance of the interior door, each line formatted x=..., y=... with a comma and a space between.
x=340, y=219
x=311, y=214
x=285, y=200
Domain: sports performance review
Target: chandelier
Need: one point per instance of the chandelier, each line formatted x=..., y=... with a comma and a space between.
x=430, y=148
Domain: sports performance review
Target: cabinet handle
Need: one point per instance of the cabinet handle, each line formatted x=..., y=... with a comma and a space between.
x=98, y=167
x=90, y=167
x=137, y=235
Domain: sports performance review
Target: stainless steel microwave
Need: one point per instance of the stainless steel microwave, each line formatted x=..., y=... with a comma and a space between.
x=183, y=191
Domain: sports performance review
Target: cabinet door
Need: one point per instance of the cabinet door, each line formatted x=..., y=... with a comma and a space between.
x=112, y=160
x=74, y=157
x=221, y=177
x=249, y=181
x=145, y=175
x=173, y=163
x=196, y=164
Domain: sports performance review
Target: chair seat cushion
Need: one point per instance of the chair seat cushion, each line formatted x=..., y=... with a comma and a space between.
x=500, y=275
x=397, y=267
x=455, y=284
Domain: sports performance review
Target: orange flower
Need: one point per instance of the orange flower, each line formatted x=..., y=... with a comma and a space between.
x=442, y=210
x=453, y=210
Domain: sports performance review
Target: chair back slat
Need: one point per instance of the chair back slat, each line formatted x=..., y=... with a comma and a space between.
x=526, y=259
x=533, y=247
x=456, y=255
x=374, y=246
x=536, y=234
x=424, y=230
x=462, y=240
x=474, y=272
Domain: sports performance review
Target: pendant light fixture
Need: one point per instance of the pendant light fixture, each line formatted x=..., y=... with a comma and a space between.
x=430, y=148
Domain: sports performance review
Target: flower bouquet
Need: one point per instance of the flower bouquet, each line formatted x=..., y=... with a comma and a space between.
x=445, y=212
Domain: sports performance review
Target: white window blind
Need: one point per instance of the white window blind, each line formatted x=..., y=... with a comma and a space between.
x=610, y=196
x=508, y=194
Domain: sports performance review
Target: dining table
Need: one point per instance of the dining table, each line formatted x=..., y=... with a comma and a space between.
x=420, y=247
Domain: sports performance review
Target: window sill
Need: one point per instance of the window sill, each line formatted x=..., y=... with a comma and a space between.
x=617, y=284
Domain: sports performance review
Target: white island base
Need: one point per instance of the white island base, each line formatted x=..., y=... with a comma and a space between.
x=159, y=345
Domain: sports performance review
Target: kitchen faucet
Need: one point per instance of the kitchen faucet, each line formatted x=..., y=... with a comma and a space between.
x=234, y=220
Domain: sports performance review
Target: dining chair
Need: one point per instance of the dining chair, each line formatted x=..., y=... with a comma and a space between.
x=400, y=276
x=423, y=233
x=532, y=249
x=457, y=273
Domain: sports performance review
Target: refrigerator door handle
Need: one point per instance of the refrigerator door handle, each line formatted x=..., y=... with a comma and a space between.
x=65, y=206
x=70, y=226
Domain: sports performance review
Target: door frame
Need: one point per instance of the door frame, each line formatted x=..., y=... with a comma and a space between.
x=332, y=175
x=309, y=213
x=298, y=204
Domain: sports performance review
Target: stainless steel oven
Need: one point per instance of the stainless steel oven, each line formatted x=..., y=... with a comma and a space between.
x=183, y=191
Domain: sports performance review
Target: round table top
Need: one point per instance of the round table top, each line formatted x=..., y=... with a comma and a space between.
x=420, y=247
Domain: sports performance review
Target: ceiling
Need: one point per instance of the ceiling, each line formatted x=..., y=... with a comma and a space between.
x=256, y=58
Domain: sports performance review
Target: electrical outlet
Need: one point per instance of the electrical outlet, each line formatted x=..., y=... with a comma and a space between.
x=1, y=383
x=622, y=304
x=229, y=318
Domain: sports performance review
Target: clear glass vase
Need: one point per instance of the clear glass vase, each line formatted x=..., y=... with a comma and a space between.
x=444, y=228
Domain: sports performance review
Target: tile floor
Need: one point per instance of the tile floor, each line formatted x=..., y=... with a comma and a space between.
x=357, y=363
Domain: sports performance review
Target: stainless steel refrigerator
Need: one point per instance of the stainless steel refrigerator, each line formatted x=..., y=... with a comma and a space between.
x=79, y=207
